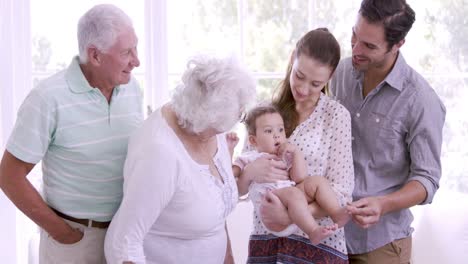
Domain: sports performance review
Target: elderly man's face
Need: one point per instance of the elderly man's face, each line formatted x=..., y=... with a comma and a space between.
x=121, y=58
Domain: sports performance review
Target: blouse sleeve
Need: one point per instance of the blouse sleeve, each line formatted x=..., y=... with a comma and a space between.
x=150, y=181
x=340, y=170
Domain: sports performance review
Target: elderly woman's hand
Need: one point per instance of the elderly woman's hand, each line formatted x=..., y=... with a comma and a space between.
x=273, y=213
x=266, y=169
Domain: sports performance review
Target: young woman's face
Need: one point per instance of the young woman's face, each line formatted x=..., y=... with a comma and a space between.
x=307, y=79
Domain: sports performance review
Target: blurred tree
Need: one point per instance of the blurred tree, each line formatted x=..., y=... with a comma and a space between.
x=42, y=51
x=452, y=15
x=447, y=63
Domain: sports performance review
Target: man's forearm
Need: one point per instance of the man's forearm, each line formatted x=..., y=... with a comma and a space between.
x=20, y=191
x=412, y=193
x=26, y=198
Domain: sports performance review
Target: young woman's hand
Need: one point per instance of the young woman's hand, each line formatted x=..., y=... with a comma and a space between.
x=266, y=169
x=273, y=213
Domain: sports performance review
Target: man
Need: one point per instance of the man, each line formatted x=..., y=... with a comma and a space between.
x=78, y=122
x=397, y=121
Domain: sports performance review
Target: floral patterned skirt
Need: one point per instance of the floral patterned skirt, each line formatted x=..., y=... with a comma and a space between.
x=291, y=250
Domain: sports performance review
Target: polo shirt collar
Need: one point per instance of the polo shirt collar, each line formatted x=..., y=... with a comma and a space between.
x=76, y=80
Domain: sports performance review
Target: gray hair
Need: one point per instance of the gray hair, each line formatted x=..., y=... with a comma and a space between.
x=100, y=27
x=213, y=94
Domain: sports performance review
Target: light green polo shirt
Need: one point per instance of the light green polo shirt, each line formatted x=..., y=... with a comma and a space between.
x=81, y=140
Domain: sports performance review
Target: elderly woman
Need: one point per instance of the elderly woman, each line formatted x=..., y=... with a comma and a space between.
x=178, y=183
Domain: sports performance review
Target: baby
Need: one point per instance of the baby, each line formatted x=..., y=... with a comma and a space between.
x=266, y=134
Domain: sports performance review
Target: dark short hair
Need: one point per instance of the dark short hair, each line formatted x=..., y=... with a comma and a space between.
x=396, y=16
x=255, y=113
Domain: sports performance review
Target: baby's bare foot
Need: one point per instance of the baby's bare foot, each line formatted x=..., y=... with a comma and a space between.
x=322, y=232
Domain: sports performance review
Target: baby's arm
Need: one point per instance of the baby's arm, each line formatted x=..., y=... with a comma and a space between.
x=243, y=183
x=232, y=139
x=298, y=171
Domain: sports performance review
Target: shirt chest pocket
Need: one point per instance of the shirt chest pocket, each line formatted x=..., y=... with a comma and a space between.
x=390, y=138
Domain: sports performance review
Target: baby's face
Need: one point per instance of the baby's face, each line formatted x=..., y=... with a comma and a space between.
x=270, y=133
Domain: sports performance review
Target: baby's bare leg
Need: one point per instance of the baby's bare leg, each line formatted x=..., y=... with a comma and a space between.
x=296, y=203
x=318, y=188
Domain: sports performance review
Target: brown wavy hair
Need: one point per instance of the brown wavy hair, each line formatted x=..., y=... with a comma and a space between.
x=318, y=44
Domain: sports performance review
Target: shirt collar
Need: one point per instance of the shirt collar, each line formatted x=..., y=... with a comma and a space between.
x=395, y=77
x=76, y=80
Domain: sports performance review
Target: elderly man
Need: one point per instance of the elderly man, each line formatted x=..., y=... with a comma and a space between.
x=78, y=122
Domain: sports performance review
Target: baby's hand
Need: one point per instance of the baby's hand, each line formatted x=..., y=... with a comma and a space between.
x=232, y=139
x=286, y=149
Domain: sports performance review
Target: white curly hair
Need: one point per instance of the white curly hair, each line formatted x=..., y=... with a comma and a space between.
x=100, y=26
x=213, y=94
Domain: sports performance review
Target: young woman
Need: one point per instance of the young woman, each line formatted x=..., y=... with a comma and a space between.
x=320, y=128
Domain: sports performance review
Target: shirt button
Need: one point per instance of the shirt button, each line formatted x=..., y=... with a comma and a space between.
x=352, y=138
x=358, y=114
x=377, y=120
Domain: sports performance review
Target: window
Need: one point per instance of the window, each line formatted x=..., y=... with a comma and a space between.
x=54, y=40
x=261, y=33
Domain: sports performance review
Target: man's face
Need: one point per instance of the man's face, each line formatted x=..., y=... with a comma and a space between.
x=120, y=59
x=369, y=48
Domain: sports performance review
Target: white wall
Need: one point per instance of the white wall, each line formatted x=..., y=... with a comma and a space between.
x=441, y=230
x=239, y=226
x=7, y=230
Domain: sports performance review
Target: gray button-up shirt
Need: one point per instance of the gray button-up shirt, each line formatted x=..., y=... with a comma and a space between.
x=397, y=137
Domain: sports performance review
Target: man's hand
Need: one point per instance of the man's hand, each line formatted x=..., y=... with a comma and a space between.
x=366, y=211
x=273, y=213
x=72, y=237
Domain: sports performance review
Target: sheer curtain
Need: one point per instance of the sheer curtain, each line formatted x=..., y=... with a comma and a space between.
x=16, y=81
x=15, y=68
x=156, y=77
